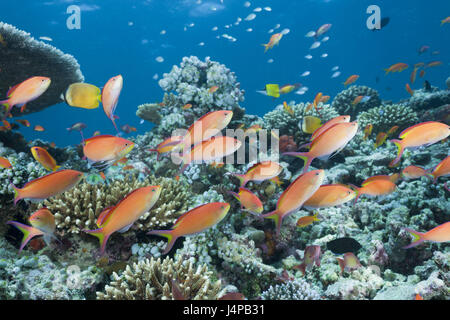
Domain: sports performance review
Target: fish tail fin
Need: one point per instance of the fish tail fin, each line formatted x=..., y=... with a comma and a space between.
x=28, y=232
x=234, y=194
x=171, y=238
x=302, y=155
x=114, y=123
x=17, y=195
x=275, y=217
x=266, y=47
x=357, y=191
x=400, y=151
x=241, y=178
x=305, y=146
x=103, y=238
x=418, y=238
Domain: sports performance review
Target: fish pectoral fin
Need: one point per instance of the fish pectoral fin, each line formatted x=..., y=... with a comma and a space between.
x=125, y=229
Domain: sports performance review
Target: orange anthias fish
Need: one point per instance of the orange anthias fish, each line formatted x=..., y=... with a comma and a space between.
x=327, y=143
x=260, y=171
x=439, y=234
x=412, y=78
x=44, y=158
x=110, y=97
x=311, y=257
x=210, y=150
x=422, y=73
x=106, y=148
x=408, y=89
x=418, y=297
x=325, y=99
x=329, y=124
x=444, y=21
x=317, y=99
x=24, y=92
x=47, y=186
x=194, y=221
x=295, y=196
x=398, y=67
x=274, y=40
x=4, y=163
x=249, y=201
x=392, y=130
x=376, y=186
x=368, y=131
x=357, y=100
x=42, y=223
x=330, y=195
x=39, y=128
x=349, y=263
x=213, y=89
x=166, y=146
x=433, y=64
x=186, y=106
x=204, y=128
x=23, y=122
x=442, y=169
x=415, y=172
x=380, y=139
x=422, y=134
x=307, y=220
x=122, y=216
x=351, y=79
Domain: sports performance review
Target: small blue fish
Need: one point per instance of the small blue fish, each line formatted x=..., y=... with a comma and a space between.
x=365, y=99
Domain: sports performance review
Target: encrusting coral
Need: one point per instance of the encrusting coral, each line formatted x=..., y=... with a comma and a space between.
x=152, y=280
x=79, y=207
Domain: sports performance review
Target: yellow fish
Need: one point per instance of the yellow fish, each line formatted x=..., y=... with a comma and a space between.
x=310, y=124
x=288, y=108
x=83, y=95
x=273, y=90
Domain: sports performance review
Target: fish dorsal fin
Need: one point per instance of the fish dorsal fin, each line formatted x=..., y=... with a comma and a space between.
x=405, y=132
x=375, y=178
x=11, y=90
x=180, y=218
x=86, y=141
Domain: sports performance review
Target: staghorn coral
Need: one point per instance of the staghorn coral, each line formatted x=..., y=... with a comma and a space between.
x=386, y=116
x=79, y=208
x=29, y=57
x=342, y=103
x=152, y=280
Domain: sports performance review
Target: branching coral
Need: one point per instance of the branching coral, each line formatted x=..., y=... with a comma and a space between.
x=385, y=117
x=79, y=208
x=343, y=101
x=152, y=280
x=297, y=289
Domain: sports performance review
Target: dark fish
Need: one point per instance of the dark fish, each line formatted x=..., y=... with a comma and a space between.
x=427, y=86
x=343, y=245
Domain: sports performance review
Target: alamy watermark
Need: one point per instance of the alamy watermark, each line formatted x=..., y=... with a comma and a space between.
x=374, y=21
x=74, y=20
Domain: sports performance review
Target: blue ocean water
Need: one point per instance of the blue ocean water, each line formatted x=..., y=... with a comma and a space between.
x=124, y=37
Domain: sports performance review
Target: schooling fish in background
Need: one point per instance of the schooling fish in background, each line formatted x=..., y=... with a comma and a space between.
x=194, y=221
x=259, y=172
x=351, y=79
x=128, y=129
x=415, y=172
x=44, y=158
x=47, y=186
x=422, y=134
x=293, y=198
x=439, y=234
x=343, y=245
x=320, y=31
x=398, y=67
x=307, y=220
x=24, y=92
x=110, y=97
x=330, y=195
x=79, y=126
x=42, y=224
x=23, y=122
x=122, y=216
x=83, y=95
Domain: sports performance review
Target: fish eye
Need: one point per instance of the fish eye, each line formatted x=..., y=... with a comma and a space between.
x=153, y=190
x=317, y=173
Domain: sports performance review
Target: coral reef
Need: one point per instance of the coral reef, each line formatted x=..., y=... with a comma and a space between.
x=152, y=280
x=342, y=103
x=30, y=57
x=298, y=289
x=386, y=116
